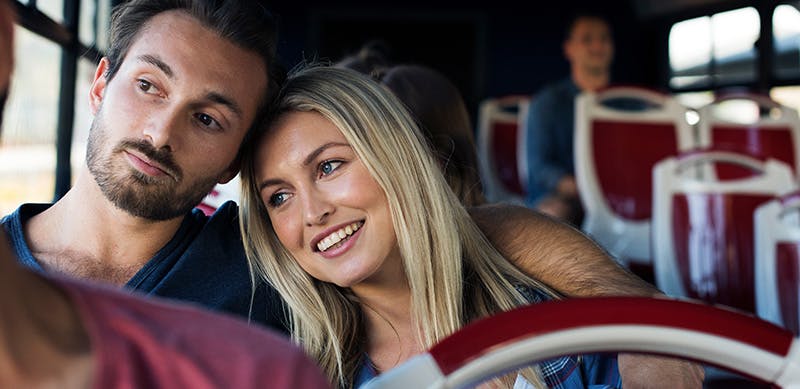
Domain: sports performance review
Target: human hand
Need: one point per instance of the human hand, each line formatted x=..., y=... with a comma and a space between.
x=645, y=371
x=6, y=44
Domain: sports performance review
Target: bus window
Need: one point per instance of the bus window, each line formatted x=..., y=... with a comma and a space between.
x=786, y=95
x=709, y=51
x=83, y=118
x=53, y=9
x=690, y=52
x=27, y=164
x=786, y=38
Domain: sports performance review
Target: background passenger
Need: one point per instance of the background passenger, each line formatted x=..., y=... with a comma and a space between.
x=552, y=188
x=439, y=109
x=371, y=59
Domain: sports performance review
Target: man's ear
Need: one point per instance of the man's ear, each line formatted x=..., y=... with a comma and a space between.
x=98, y=89
x=230, y=172
x=567, y=47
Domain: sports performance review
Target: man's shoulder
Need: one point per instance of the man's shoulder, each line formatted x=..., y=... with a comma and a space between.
x=13, y=224
x=25, y=211
x=558, y=90
x=225, y=218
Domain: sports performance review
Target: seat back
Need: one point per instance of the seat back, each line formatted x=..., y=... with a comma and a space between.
x=517, y=338
x=703, y=234
x=750, y=124
x=499, y=145
x=777, y=229
x=615, y=151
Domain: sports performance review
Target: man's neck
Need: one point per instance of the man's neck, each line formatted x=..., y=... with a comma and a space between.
x=43, y=342
x=86, y=236
x=590, y=80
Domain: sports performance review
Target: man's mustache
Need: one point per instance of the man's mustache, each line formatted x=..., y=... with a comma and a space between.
x=161, y=157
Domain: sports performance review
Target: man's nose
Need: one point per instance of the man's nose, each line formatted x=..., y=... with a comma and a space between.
x=162, y=129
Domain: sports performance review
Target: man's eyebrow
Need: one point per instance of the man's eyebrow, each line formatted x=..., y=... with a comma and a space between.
x=157, y=62
x=224, y=100
x=211, y=96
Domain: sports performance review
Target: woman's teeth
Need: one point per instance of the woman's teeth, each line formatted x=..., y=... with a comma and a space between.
x=338, y=236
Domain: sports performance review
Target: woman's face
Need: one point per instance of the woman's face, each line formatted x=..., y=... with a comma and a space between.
x=325, y=206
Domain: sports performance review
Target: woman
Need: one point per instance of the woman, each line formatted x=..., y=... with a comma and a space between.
x=345, y=211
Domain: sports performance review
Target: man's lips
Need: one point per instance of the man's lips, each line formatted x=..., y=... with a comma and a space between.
x=146, y=166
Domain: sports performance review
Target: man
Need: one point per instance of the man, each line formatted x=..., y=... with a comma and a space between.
x=67, y=334
x=551, y=119
x=173, y=101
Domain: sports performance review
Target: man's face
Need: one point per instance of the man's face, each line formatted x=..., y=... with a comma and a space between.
x=169, y=124
x=589, y=45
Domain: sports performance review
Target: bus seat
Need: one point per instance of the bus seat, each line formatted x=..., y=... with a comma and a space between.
x=777, y=245
x=621, y=132
x=703, y=233
x=501, y=148
x=750, y=124
x=510, y=340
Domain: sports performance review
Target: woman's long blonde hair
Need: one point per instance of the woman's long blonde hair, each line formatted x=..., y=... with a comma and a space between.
x=454, y=274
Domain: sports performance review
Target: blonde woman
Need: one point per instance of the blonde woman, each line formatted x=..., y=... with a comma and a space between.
x=345, y=211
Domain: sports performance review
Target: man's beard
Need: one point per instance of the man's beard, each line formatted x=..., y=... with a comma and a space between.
x=134, y=192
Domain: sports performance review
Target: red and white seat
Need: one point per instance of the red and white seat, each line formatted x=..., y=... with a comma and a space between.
x=703, y=234
x=777, y=248
x=510, y=340
x=501, y=148
x=751, y=124
x=615, y=151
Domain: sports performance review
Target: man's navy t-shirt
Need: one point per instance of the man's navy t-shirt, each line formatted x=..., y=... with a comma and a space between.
x=203, y=263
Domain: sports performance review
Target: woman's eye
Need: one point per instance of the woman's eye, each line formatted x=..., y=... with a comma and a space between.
x=277, y=199
x=328, y=167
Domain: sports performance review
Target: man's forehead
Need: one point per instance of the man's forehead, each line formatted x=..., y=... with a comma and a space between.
x=175, y=39
x=589, y=24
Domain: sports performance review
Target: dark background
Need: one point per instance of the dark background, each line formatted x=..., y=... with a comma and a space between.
x=488, y=48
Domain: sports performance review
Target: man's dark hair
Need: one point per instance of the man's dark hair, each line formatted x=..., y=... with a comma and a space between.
x=582, y=14
x=246, y=23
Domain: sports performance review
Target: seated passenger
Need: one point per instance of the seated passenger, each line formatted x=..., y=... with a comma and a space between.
x=442, y=116
x=69, y=334
x=552, y=187
x=346, y=212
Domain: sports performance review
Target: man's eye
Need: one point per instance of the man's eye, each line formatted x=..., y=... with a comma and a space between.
x=328, y=167
x=207, y=121
x=145, y=86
